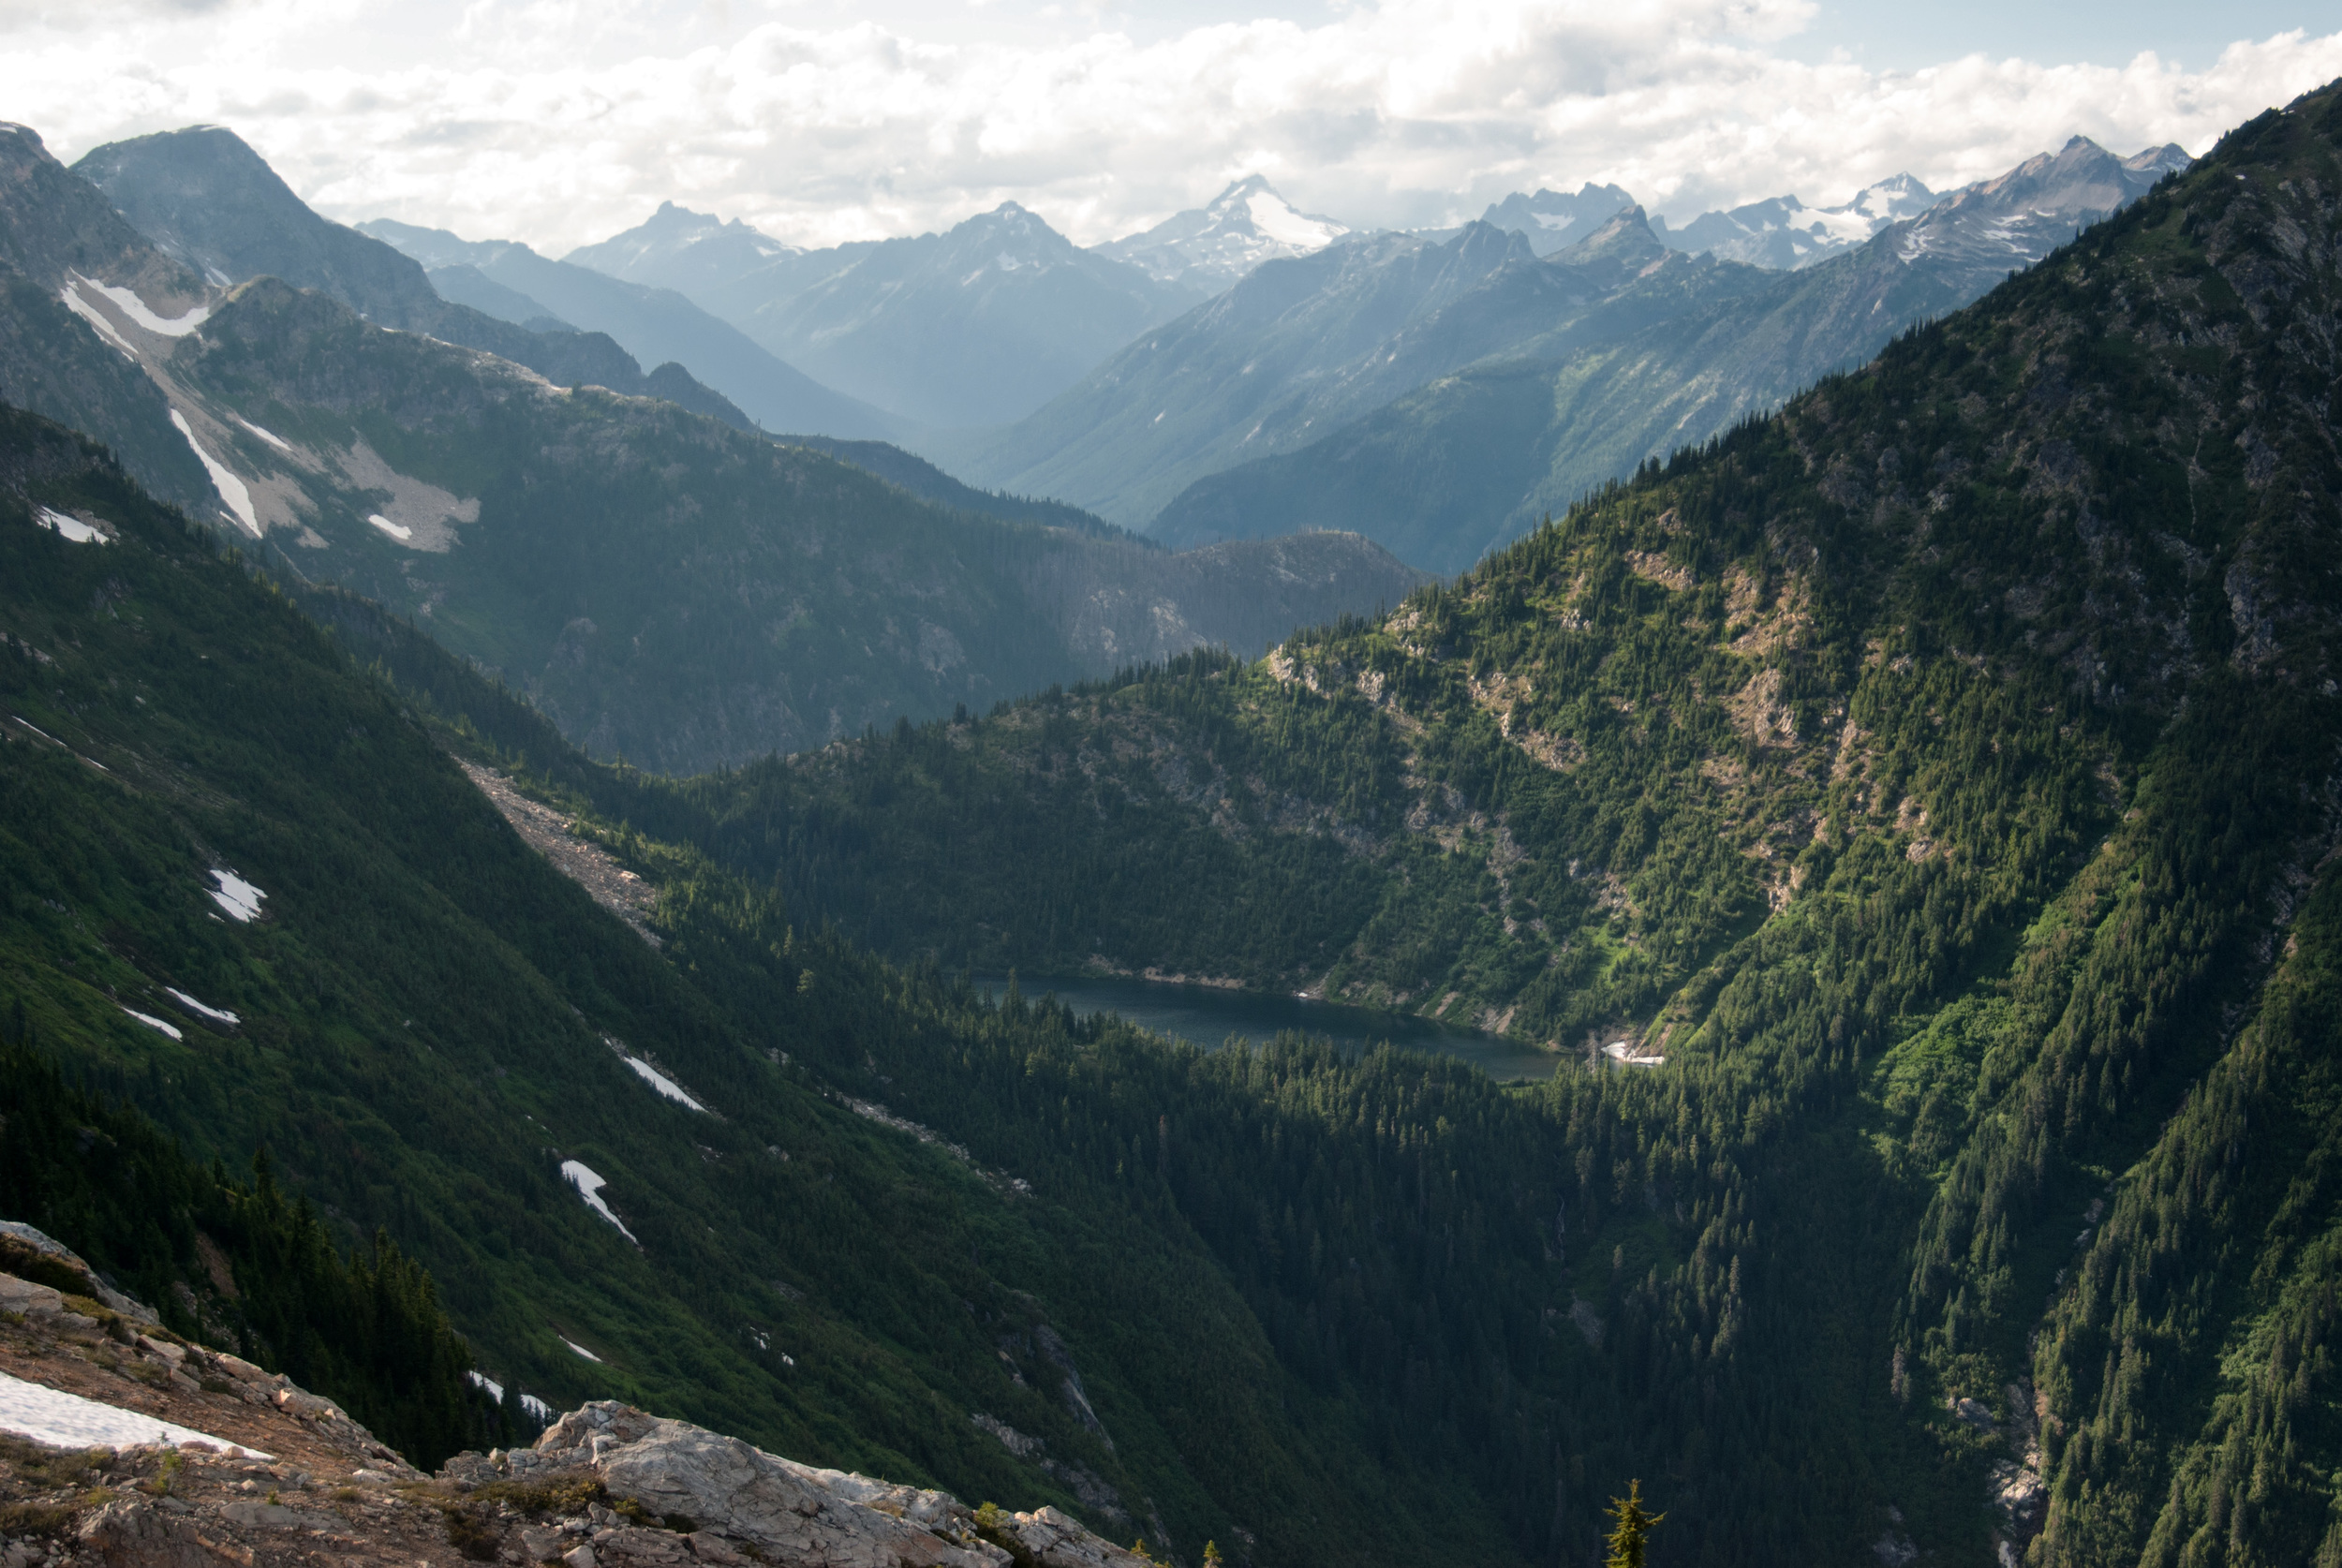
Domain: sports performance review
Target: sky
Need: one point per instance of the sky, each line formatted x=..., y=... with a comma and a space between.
x=561, y=121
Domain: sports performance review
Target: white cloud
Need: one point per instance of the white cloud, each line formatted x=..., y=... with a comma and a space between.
x=558, y=123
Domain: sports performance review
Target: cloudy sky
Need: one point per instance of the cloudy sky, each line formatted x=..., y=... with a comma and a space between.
x=559, y=121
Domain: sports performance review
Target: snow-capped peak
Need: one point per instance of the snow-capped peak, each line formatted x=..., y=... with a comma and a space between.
x=1213, y=246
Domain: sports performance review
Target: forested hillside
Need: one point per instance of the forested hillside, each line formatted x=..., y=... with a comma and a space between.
x=1939, y=775
x=247, y=892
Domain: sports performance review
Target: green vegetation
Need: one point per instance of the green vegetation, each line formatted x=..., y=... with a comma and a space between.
x=240, y=1268
x=1936, y=775
x=1630, y=1537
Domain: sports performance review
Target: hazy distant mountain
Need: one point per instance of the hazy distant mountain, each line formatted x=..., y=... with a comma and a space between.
x=655, y=324
x=203, y=197
x=469, y=286
x=1783, y=233
x=1555, y=221
x=976, y=326
x=658, y=583
x=1207, y=248
x=692, y=252
x=1471, y=460
x=1305, y=345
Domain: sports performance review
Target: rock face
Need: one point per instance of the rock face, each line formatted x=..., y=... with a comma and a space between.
x=719, y=1494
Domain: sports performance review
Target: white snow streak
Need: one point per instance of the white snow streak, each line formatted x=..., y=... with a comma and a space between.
x=232, y=488
x=663, y=1084
x=580, y=1348
x=581, y=1176
x=135, y=309
x=393, y=529
x=154, y=1023
x=89, y=313
x=215, y=1014
x=71, y=527
x=269, y=435
x=529, y=1402
x=62, y=1420
x=239, y=897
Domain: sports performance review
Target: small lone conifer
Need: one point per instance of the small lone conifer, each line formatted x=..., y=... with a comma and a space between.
x=1634, y=1527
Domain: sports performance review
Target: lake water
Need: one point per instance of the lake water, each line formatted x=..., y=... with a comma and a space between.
x=1206, y=1016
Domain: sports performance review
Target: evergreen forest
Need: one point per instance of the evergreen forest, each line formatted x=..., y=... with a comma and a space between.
x=1937, y=777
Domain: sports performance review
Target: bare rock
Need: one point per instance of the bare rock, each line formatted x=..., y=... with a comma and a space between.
x=133, y=1533
x=740, y=1501
x=1056, y=1541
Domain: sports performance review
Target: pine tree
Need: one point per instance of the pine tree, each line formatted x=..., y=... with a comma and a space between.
x=1627, y=1542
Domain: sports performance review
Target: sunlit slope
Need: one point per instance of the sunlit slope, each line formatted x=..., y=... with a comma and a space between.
x=1936, y=773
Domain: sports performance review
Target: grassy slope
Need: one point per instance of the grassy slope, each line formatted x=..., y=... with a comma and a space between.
x=1935, y=769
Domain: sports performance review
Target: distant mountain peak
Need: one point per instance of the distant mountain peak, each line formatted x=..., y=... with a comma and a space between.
x=1555, y=220
x=1212, y=246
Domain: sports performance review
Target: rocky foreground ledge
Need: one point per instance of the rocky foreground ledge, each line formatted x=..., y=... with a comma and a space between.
x=258, y=1473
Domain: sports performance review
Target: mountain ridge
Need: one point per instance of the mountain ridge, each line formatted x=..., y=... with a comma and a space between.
x=967, y=327
x=1427, y=474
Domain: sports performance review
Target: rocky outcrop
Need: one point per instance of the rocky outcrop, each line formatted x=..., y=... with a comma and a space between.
x=721, y=1499
x=220, y=1461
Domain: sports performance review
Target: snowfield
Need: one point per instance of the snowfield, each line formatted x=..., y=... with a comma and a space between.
x=529, y=1402
x=395, y=530
x=663, y=1084
x=154, y=1023
x=64, y=1420
x=71, y=527
x=232, y=488
x=269, y=435
x=135, y=309
x=215, y=1014
x=581, y=1176
x=96, y=318
x=239, y=897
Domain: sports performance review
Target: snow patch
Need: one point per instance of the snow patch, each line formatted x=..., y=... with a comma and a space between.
x=1278, y=221
x=269, y=435
x=154, y=1023
x=394, y=530
x=239, y=897
x=71, y=527
x=104, y=328
x=581, y=1176
x=232, y=488
x=62, y=1420
x=537, y=1408
x=581, y=1349
x=660, y=1082
x=217, y=1015
x=135, y=309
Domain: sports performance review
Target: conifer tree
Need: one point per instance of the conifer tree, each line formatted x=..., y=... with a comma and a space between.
x=1627, y=1542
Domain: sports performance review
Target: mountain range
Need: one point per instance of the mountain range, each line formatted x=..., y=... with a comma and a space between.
x=1306, y=345
x=1917, y=808
x=670, y=588
x=1457, y=464
x=211, y=203
x=1785, y=233
x=975, y=326
x=1904, y=807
